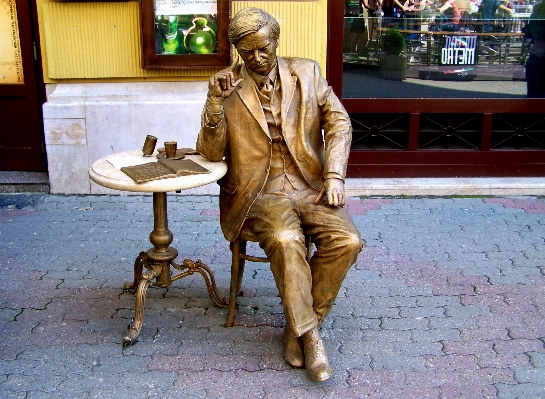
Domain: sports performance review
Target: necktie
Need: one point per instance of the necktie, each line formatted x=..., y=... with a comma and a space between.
x=266, y=87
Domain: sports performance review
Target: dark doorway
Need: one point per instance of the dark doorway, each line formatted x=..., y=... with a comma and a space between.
x=22, y=96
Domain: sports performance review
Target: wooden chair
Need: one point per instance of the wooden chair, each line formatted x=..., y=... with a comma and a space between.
x=239, y=258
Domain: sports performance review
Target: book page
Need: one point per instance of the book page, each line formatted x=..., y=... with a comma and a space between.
x=183, y=167
x=147, y=172
x=130, y=160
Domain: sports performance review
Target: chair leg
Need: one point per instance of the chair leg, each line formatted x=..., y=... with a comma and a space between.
x=238, y=248
x=237, y=269
x=308, y=245
x=241, y=263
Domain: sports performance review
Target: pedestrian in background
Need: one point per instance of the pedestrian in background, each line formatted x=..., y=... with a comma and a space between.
x=535, y=65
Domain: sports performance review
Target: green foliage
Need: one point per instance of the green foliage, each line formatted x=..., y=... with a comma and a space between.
x=393, y=41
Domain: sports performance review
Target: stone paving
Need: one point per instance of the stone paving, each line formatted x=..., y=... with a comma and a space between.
x=447, y=300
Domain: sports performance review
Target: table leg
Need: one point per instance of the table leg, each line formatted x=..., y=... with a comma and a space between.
x=161, y=238
x=157, y=261
x=144, y=282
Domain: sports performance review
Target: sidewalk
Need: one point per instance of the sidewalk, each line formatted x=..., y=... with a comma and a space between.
x=447, y=300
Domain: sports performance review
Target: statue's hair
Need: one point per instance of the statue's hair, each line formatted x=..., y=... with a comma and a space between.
x=250, y=20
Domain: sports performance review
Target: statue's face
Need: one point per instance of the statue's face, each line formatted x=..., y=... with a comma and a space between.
x=258, y=51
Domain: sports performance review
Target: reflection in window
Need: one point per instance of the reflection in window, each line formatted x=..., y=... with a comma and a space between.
x=441, y=49
x=185, y=26
x=185, y=34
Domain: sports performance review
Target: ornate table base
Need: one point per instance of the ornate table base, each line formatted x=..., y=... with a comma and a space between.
x=157, y=262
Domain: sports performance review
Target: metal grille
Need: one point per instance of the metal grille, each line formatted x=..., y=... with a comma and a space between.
x=518, y=131
x=380, y=131
x=450, y=132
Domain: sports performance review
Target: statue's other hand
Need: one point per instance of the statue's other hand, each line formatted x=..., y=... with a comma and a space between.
x=223, y=83
x=333, y=189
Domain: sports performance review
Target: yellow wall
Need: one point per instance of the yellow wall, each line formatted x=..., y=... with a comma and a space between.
x=100, y=41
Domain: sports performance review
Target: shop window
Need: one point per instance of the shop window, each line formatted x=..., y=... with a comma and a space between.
x=445, y=49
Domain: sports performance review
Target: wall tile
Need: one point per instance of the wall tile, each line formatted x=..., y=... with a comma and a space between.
x=65, y=131
x=68, y=170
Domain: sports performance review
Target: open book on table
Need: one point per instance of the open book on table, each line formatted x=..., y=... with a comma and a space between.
x=162, y=169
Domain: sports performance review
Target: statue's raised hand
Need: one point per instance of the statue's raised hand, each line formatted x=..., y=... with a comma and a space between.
x=223, y=83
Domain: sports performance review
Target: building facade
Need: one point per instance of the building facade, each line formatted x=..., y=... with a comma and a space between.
x=439, y=119
x=101, y=101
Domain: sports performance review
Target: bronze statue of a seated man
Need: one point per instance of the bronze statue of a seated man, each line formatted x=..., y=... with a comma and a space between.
x=286, y=138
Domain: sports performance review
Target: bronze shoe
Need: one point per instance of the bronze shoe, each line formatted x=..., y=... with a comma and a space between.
x=316, y=361
x=293, y=350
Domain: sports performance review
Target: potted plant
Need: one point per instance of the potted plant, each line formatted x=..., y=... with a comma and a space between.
x=393, y=41
x=393, y=63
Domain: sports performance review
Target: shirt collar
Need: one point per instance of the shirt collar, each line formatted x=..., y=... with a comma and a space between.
x=259, y=78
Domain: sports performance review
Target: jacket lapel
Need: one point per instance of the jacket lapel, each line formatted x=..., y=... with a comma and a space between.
x=249, y=97
x=288, y=82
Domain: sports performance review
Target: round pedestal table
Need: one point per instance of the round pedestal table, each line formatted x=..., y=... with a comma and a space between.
x=153, y=267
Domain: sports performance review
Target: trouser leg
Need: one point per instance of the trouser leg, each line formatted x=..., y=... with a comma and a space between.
x=532, y=76
x=280, y=222
x=338, y=244
x=275, y=221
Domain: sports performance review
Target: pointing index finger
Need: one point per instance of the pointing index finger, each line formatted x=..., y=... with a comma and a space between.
x=234, y=64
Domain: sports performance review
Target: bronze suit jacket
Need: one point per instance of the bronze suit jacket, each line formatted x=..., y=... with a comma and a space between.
x=314, y=124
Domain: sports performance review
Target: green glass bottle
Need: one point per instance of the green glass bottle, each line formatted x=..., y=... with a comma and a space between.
x=170, y=41
x=200, y=38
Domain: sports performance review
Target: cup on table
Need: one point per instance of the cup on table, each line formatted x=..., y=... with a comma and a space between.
x=170, y=148
x=149, y=145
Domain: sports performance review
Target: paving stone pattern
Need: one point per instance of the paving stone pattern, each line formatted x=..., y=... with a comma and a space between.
x=447, y=300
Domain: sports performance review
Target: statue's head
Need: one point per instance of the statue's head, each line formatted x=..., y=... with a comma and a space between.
x=255, y=33
x=250, y=20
